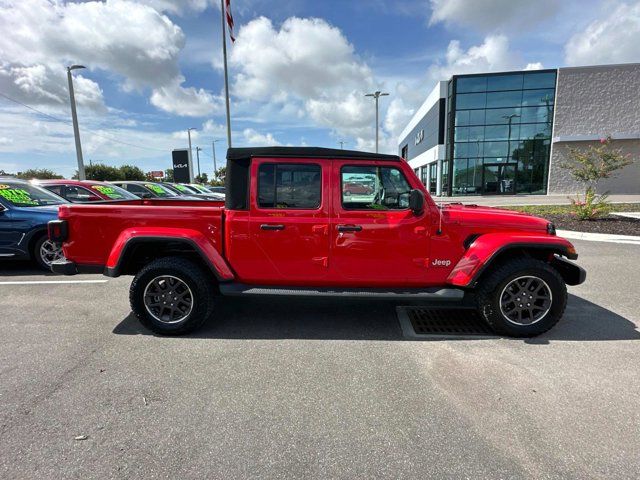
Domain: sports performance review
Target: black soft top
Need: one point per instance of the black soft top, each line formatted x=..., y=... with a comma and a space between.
x=239, y=160
x=304, y=152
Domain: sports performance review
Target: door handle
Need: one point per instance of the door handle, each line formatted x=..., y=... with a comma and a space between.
x=267, y=226
x=349, y=228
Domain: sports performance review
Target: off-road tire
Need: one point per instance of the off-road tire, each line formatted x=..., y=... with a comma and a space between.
x=199, y=281
x=492, y=285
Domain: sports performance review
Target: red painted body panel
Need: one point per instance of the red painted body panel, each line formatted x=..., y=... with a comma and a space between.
x=198, y=238
x=94, y=229
x=486, y=246
x=393, y=248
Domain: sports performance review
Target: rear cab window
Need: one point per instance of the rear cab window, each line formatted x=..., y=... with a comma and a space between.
x=289, y=186
x=373, y=187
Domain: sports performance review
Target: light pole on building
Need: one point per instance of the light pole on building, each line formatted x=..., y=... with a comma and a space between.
x=509, y=119
x=74, y=117
x=191, y=179
x=376, y=95
x=341, y=142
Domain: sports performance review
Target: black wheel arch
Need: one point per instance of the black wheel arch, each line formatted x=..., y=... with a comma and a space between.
x=571, y=273
x=140, y=251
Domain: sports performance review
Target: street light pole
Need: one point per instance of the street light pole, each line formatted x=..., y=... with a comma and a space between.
x=74, y=117
x=341, y=142
x=191, y=179
x=377, y=94
x=198, y=156
x=215, y=166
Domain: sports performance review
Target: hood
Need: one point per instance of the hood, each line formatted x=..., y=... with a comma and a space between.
x=473, y=215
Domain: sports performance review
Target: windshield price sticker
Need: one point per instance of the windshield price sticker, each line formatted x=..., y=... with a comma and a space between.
x=108, y=191
x=17, y=196
x=155, y=188
x=182, y=188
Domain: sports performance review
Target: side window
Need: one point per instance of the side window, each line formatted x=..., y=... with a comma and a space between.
x=136, y=189
x=57, y=189
x=286, y=185
x=374, y=188
x=79, y=194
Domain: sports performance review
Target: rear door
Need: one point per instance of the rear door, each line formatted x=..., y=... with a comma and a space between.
x=289, y=222
x=376, y=240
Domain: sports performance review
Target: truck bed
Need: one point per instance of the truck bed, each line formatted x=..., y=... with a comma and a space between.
x=94, y=229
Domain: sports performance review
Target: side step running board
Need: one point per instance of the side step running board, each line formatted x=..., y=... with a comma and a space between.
x=454, y=294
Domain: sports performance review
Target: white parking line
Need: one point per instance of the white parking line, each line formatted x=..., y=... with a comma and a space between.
x=51, y=282
x=599, y=237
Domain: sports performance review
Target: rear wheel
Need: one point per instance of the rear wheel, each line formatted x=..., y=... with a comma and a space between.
x=45, y=252
x=172, y=296
x=522, y=298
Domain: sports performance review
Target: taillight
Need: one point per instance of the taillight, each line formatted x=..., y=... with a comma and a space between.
x=58, y=231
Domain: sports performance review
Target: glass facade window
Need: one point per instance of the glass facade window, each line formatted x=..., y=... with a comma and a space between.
x=499, y=133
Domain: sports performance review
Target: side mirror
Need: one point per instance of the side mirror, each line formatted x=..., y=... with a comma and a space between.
x=146, y=195
x=416, y=201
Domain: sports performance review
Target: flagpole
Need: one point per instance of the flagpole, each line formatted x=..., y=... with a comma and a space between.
x=223, y=13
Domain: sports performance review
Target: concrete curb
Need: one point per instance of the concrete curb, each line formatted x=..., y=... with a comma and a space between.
x=599, y=237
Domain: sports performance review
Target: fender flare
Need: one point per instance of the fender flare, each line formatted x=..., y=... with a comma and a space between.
x=486, y=248
x=131, y=237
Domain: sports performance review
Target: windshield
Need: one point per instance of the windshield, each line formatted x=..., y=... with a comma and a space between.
x=160, y=190
x=25, y=195
x=199, y=188
x=184, y=189
x=114, y=192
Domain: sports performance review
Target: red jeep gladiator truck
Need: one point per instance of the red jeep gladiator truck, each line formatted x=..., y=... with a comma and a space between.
x=288, y=228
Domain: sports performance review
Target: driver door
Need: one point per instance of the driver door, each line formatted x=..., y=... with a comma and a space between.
x=376, y=240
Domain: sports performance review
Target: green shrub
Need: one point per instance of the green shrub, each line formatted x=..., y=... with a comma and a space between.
x=592, y=207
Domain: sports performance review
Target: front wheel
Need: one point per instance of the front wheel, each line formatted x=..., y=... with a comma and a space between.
x=523, y=298
x=45, y=252
x=172, y=296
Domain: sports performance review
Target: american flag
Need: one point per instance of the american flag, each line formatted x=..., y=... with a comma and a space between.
x=227, y=11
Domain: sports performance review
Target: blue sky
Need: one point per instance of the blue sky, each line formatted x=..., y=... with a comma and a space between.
x=299, y=68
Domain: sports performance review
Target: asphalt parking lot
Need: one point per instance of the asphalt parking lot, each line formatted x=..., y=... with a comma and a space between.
x=298, y=388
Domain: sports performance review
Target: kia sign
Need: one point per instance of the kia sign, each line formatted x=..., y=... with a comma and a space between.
x=181, y=172
x=157, y=174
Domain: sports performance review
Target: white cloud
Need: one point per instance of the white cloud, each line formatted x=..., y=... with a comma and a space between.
x=178, y=7
x=130, y=39
x=39, y=85
x=306, y=57
x=489, y=15
x=534, y=66
x=253, y=137
x=492, y=55
x=187, y=102
x=309, y=68
x=613, y=39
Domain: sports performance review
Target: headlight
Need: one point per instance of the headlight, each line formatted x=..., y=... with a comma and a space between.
x=551, y=228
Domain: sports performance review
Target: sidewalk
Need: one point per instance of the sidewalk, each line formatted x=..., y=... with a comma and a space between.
x=518, y=200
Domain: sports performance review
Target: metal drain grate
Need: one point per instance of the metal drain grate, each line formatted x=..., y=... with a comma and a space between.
x=419, y=321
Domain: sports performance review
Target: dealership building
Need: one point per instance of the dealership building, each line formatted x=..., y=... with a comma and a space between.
x=509, y=133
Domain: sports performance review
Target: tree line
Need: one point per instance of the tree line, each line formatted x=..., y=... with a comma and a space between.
x=107, y=173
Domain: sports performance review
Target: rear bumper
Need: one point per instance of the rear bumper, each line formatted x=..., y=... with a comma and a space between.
x=67, y=267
